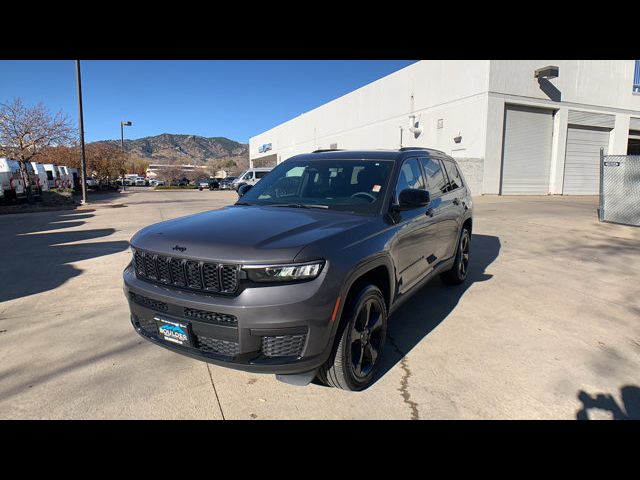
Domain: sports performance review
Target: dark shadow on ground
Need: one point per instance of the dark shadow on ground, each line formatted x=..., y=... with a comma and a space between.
x=35, y=260
x=630, y=410
x=423, y=312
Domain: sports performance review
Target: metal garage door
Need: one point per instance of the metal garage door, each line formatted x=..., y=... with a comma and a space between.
x=526, y=154
x=582, y=161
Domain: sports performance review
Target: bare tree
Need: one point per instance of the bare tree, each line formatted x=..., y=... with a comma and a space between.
x=26, y=131
x=105, y=162
x=170, y=174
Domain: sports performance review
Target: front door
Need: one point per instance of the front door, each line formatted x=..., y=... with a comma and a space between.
x=416, y=240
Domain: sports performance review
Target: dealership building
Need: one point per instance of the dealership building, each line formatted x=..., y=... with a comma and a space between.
x=516, y=127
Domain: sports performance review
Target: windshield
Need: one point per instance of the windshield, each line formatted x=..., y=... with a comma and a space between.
x=351, y=185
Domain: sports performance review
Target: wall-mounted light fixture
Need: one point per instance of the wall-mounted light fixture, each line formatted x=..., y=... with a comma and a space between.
x=414, y=127
x=458, y=138
x=548, y=72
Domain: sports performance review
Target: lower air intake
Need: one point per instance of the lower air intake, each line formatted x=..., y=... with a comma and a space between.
x=283, y=345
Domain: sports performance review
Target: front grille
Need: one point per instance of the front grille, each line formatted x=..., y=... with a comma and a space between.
x=229, y=278
x=191, y=274
x=211, y=277
x=148, y=302
x=213, y=317
x=162, y=264
x=177, y=272
x=283, y=345
x=217, y=346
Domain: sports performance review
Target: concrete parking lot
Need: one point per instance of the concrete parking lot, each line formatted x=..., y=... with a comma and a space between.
x=548, y=325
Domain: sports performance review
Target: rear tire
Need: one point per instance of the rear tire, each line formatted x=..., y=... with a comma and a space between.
x=460, y=268
x=360, y=342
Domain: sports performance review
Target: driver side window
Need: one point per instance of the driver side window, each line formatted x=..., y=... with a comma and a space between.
x=410, y=177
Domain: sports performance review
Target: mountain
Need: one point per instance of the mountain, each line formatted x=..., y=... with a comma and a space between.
x=170, y=148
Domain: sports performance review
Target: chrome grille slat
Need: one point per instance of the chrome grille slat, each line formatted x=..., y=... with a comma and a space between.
x=185, y=273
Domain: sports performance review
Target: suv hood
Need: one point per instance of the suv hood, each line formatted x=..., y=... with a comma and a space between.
x=245, y=234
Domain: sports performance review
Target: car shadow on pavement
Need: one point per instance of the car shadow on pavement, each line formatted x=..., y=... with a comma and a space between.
x=630, y=410
x=35, y=251
x=425, y=310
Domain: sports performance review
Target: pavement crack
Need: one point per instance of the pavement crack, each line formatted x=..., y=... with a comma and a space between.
x=404, y=381
x=215, y=391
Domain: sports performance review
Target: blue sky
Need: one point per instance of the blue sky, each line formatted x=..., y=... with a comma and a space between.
x=234, y=99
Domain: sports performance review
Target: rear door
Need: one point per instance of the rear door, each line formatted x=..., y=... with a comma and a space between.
x=455, y=200
x=442, y=208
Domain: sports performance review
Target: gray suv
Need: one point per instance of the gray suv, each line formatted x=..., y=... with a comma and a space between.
x=310, y=263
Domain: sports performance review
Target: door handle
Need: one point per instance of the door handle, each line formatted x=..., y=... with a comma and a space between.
x=429, y=212
x=456, y=201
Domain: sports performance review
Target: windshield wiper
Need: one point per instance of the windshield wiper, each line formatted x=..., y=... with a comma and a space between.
x=299, y=205
x=243, y=203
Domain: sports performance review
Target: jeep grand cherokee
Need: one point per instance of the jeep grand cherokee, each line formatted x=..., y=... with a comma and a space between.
x=310, y=263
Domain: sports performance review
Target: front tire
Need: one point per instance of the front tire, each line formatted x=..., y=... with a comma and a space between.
x=360, y=343
x=460, y=269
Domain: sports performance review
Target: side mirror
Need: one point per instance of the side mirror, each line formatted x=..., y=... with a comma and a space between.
x=244, y=189
x=410, y=198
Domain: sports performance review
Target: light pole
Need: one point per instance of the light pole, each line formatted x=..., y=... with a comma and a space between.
x=122, y=125
x=83, y=163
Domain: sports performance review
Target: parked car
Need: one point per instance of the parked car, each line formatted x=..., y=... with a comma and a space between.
x=214, y=184
x=92, y=183
x=141, y=182
x=310, y=263
x=31, y=180
x=203, y=183
x=225, y=183
x=155, y=183
x=250, y=177
x=11, y=180
x=53, y=175
x=66, y=180
x=75, y=178
x=43, y=183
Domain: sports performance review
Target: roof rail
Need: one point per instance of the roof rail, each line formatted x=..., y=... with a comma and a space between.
x=403, y=149
x=328, y=150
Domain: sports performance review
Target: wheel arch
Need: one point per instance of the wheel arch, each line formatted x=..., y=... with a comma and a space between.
x=378, y=271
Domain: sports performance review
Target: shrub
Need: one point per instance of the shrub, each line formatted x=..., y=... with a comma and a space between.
x=57, y=197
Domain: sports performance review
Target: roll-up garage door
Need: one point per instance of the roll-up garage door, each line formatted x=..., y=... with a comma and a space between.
x=582, y=161
x=526, y=160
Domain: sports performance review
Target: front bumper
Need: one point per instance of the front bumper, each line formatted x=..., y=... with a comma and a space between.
x=283, y=329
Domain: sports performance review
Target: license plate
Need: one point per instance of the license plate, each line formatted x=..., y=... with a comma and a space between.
x=173, y=331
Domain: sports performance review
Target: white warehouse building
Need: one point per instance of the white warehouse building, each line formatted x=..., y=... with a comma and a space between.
x=515, y=126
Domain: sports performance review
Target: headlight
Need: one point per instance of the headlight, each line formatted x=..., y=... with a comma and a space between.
x=284, y=273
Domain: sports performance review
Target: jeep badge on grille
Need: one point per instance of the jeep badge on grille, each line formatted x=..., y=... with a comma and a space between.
x=179, y=248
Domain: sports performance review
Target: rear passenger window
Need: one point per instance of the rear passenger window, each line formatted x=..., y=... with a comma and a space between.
x=455, y=180
x=261, y=174
x=436, y=178
x=410, y=176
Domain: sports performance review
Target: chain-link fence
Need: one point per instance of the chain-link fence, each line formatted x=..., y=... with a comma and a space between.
x=620, y=189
